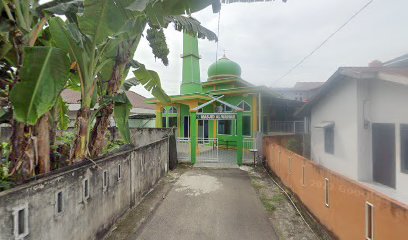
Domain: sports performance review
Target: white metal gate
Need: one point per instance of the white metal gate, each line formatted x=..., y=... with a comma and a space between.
x=248, y=144
x=183, y=149
x=207, y=150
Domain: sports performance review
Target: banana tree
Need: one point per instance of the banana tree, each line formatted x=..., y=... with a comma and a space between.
x=34, y=71
x=148, y=78
x=89, y=39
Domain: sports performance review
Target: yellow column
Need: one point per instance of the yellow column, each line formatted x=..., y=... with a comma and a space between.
x=159, y=110
x=254, y=114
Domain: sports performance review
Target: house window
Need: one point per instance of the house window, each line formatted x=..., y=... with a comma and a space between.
x=246, y=125
x=85, y=188
x=225, y=127
x=404, y=147
x=58, y=202
x=245, y=106
x=329, y=140
x=119, y=172
x=369, y=221
x=326, y=192
x=105, y=180
x=20, y=216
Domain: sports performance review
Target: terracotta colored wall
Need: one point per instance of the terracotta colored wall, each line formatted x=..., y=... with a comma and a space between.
x=345, y=216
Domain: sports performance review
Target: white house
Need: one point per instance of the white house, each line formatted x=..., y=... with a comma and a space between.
x=359, y=127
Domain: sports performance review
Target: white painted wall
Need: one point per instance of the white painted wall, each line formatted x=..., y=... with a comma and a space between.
x=349, y=105
x=388, y=104
x=340, y=107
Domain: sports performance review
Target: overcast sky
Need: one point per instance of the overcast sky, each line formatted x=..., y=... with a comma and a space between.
x=267, y=39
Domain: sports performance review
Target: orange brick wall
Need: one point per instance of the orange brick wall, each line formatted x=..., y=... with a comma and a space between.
x=345, y=216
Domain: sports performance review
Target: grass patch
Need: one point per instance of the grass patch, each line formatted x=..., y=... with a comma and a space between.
x=257, y=185
x=272, y=203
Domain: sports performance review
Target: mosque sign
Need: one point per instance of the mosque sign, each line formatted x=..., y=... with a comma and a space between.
x=216, y=116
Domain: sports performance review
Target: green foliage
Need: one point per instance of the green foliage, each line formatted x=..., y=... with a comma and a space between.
x=128, y=83
x=5, y=150
x=271, y=203
x=151, y=81
x=63, y=118
x=67, y=138
x=5, y=182
x=191, y=26
x=121, y=113
x=157, y=42
x=294, y=145
x=113, y=146
x=43, y=77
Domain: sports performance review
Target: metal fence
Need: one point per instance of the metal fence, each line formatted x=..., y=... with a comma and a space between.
x=248, y=145
x=287, y=127
x=183, y=149
x=207, y=150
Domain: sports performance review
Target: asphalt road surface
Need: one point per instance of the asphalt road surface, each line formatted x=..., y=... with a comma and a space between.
x=210, y=204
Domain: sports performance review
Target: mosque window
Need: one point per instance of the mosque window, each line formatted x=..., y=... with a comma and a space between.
x=245, y=106
x=225, y=127
x=227, y=109
x=172, y=110
x=246, y=125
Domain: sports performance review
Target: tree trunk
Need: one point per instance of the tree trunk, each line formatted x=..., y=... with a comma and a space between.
x=43, y=144
x=98, y=141
x=80, y=149
x=22, y=155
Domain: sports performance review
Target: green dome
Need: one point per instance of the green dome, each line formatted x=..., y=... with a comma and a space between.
x=224, y=67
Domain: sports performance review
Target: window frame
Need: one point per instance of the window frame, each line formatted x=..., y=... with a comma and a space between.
x=119, y=172
x=16, y=221
x=250, y=125
x=326, y=192
x=243, y=102
x=329, y=140
x=403, y=151
x=57, y=212
x=105, y=180
x=231, y=127
x=369, y=235
x=85, y=190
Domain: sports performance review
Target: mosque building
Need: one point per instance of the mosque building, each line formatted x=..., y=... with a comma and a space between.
x=225, y=111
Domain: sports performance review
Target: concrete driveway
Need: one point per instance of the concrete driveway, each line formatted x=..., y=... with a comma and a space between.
x=210, y=204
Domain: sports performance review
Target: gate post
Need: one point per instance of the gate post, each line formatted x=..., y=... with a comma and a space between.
x=240, y=139
x=159, y=110
x=193, y=136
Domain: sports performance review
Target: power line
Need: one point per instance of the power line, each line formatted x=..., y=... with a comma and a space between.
x=325, y=41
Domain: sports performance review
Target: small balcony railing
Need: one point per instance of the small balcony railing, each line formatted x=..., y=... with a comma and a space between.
x=296, y=127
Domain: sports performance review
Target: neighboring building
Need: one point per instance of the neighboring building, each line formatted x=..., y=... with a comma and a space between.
x=141, y=115
x=260, y=108
x=302, y=91
x=359, y=127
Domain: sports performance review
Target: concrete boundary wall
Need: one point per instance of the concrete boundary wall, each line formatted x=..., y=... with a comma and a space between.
x=343, y=210
x=82, y=201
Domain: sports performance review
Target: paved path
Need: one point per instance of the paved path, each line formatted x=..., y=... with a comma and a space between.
x=210, y=204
